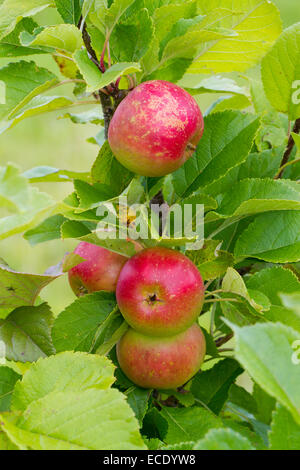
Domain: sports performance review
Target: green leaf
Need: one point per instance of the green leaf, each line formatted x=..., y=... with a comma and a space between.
x=233, y=282
x=190, y=44
x=130, y=40
x=115, y=12
x=90, y=419
x=213, y=84
x=23, y=80
x=64, y=372
x=226, y=143
x=38, y=105
x=188, y=424
x=265, y=404
x=75, y=328
x=8, y=379
x=273, y=281
x=257, y=165
x=43, y=174
x=26, y=333
x=285, y=432
x=265, y=351
x=223, y=439
x=257, y=24
x=252, y=196
x=108, y=171
x=10, y=45
x=49, y=229
x=116, y=71
x=88, y=69
x=12, y=11
x=69, y=10
x=18, y=289
x=210, y=260
x=92, y=116
x=138, y=398
x=62, y=37
x=280, y=70
x=267, y=238
x=211, y=386
x=167, y=15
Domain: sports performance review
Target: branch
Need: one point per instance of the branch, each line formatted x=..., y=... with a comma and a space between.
x=289, y=149
x=223, y=340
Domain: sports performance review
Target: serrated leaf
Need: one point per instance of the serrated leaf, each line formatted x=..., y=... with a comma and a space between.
x=69, y=10
x=267, y=238
x=265, y=404
x=92, y=116
x=210, y=260
x=257, y=24
x=223, y=439
x=76, y=326
x=77, y=420
x=115, y=12
x=251, y=196
x=226, y=143
x=26, y=333
x=188, y=424
x=18, y=289
x=211, y=386
x=285, y=432
x=38, y=105
x=11, y=12
x=62, y=37
x=23, y=80
x=49, y=229
x=8, y=379
x=265, y=350
x=280, y=70
x=138, y=398
x=10, y=45
x=43, y=174
x=213, y=84
x=273, y=281
x=130, y=40
x=64, y=372
x=107, y=170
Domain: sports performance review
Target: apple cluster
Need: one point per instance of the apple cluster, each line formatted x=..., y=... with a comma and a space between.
x=160, y=293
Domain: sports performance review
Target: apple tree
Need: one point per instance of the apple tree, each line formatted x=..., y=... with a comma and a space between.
x=244, y=172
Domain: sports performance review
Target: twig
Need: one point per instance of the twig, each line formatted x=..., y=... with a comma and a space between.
x=282, y=168
x=289, y=149
x=220, y=341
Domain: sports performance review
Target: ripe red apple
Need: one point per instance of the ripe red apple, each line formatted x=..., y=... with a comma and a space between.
x=163, y=363
x=160, y=292
x=156, y=128
x=99, y=271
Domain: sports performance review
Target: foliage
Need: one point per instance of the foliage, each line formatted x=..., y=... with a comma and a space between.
x=60, y=384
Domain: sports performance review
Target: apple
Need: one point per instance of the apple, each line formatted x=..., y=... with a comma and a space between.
x=99, y=271
x=160, y=292
x=163, y=363
x=156, y=128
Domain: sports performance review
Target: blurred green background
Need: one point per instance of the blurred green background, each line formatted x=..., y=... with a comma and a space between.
x=45, y=140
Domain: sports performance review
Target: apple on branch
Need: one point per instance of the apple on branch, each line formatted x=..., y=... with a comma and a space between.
x=156, y=128
x=160, y=292
x=161, y=363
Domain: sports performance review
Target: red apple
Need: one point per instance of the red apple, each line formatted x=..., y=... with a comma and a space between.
x=156, y=128
x=99, y=271
x=160, y=292
x=163, y=363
